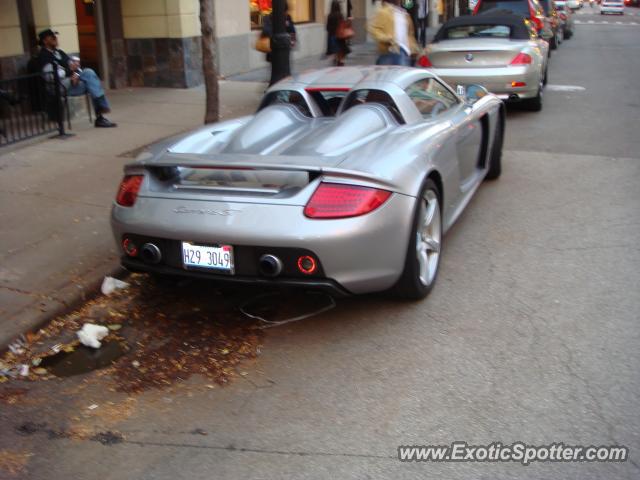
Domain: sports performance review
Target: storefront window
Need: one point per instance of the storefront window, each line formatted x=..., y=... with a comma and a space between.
x=301, y=11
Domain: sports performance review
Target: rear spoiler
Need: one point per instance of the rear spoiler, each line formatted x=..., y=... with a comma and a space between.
x=311, y=165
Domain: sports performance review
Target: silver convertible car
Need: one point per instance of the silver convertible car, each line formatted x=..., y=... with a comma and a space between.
x=500, y=51
x=344, y=180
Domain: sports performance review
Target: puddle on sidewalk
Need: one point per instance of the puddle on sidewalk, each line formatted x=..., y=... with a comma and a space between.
x=83, y=359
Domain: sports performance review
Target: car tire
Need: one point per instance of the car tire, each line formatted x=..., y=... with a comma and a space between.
x=533, y=104
x=422, y=261
x=568, y=34
x=495, y=158
x=545, y=80
x=553, y=43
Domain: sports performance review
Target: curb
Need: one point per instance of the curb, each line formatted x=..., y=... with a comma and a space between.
x=69, y=299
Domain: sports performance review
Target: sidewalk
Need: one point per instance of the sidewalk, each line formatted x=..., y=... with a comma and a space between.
x=56, y=195
x=361, y=54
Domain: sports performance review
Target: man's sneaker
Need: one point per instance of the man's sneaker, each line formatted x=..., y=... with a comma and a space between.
x=102, y=122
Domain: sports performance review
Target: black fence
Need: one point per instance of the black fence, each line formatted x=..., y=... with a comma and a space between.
x=31, y=106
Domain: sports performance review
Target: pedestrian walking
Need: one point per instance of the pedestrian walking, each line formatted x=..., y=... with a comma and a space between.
x=267, y=32
x=339, y=31
x=392, y=28
x=422, y=22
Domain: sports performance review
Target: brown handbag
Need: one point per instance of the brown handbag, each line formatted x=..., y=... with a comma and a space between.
x=263, y=44
x=345, y=30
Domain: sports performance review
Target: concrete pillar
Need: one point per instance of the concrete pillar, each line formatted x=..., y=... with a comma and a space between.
x=434, y=14
x=59, y=15
x=10, y=33
x=163, y=42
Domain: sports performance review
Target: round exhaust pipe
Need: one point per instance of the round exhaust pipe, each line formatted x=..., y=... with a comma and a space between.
x=270, y=265
x=514, y=97
x=150, y=253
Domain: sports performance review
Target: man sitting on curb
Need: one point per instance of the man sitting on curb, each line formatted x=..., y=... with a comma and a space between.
x=77, y=81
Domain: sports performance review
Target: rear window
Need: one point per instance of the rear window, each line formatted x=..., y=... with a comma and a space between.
x=360, y=97
x=477, y=31
x=328, y=100
x=519, y=7
x=287, y=97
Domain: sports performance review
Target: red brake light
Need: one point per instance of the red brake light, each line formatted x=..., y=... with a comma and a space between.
x=335, y=200
x=424, y=62
x=537, y=22
x=477, y=9
x=307, y=265
x=521, y=59
x=563, y=16
x=128, y=191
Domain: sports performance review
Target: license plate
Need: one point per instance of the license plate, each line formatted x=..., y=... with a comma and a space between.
x=218, y=258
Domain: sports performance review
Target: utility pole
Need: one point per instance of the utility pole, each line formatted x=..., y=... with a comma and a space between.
x=280, y=42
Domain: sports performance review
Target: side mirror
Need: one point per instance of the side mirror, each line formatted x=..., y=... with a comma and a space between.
x=472, y=93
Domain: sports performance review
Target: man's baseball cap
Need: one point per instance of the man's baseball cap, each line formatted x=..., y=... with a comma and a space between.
x=46, y=33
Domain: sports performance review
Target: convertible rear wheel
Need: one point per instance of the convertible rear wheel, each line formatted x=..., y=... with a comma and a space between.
x=535, y=104
x=425, y=246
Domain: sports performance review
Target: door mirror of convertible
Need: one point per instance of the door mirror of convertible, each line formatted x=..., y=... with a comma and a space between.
x=471, y=93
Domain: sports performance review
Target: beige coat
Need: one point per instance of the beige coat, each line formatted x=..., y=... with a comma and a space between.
x=382, y=29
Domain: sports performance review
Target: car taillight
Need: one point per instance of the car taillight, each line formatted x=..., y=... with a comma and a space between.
x=477, y=8
x=537, y=22
x=563, y=16
x=335, y=200
x=128, y=191
x=424, y=62
x=521, y=59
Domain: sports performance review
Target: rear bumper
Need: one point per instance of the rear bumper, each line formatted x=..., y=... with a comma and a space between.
x=604, y=9
x=329, y=286
x=360, y=255
x=497, y=80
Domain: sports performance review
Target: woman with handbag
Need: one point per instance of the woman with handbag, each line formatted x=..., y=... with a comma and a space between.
x=339, y=31
x=263, y=44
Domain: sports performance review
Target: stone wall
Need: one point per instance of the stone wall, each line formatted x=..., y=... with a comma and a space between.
x=164, y=62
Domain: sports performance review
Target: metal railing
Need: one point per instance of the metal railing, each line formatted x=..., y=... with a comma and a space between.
x=31, y=106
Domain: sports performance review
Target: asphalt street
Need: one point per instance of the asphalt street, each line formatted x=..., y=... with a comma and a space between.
x=531, y=334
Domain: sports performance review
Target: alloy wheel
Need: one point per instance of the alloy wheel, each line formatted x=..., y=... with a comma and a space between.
x=429, y=237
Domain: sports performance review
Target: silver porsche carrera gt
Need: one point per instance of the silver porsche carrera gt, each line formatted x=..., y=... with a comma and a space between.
x=345, y=180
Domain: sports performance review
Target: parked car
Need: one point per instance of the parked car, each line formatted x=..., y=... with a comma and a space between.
x=612, y=6
x=352, y=203
x=501, y=52
x=550, y=12
x=574, y=4
x=530, y=9
x=566, y=19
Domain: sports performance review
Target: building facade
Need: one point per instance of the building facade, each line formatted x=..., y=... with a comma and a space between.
x=156, y=43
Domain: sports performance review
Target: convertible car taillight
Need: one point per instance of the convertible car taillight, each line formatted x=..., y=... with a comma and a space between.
x=424, y=62
x=336, y=200
x=128, y=191
x=537, y=22
x=521, y=59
